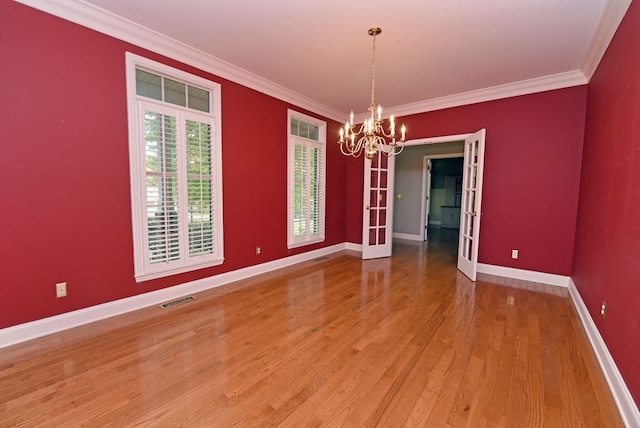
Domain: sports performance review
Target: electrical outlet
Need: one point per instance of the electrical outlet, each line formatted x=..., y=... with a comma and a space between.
x=514, y=254
x=603, y=309
x=61, y=289
x=258, y=250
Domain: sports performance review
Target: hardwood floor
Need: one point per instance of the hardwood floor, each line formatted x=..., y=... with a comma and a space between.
x=405, y=341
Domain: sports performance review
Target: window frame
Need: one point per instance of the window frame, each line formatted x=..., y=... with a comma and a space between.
x=293, y=140
x=143, y=269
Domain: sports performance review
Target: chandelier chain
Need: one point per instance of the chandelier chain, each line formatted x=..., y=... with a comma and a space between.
x=373, y=73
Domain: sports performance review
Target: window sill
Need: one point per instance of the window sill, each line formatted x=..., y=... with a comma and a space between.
x=303, y=243
x=141, y=277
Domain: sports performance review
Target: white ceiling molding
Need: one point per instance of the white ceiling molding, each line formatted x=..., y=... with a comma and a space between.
x=113, y=25
x=612, y=16
x=531, y=86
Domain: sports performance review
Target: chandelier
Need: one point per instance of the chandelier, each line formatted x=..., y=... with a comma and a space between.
x=371, y=137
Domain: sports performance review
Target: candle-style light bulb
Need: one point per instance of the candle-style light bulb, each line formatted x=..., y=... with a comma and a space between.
x=351, y=118
x=403, y=129
x=379, y=111
x=392, y=124
x=341, y=135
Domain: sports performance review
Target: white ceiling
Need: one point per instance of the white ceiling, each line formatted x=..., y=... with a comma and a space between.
x=428, y=49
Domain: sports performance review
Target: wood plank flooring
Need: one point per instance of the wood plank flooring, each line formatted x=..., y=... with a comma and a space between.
x=405, y=341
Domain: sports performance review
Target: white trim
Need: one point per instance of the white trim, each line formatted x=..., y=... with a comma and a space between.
x=293, y=141
x=407, y=237
x=113, y=25
x=621, y=394
x=435, y=140
x=610, y=20
x=351, y=246
x=524, y=87
x=527, y=275
x=143, y=269
x=452, y=155
x=626, y=405
x=32, y=330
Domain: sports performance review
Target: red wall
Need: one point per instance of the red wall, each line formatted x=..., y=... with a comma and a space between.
x=66, y=210
x=531, y=178
x=65, y=146
x=65, y=194
x=606, y=262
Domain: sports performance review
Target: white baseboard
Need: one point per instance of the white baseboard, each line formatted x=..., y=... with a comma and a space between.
x=354, y=247
x=24, y=332
x=31, y=330
x=527, y=275
x=407, y=236
x=626, y=405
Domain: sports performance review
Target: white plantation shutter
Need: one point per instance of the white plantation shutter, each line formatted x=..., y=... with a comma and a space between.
x=176, y=176
x=300, y=190
x=306, y=193
x=160, y=136
x=316, y=192
x=199, y=188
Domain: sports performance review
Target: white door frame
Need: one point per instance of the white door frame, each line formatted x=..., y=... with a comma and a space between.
x=419, y=142
x=451, y=139
x=425, y=210
x=426, y=183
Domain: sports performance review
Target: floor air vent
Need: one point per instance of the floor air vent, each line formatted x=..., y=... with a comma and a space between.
x=177, y=302
x=321, y=258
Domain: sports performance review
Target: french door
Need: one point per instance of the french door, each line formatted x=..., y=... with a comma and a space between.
x=377, y=217
x=470, y=213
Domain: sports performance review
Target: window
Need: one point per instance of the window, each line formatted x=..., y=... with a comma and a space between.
x=306, y=177
x=175, y=167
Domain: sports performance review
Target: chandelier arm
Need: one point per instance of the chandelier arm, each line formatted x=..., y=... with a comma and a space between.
x=392, y=149
x=396, y=151
x=352, y=153
x=382, y=132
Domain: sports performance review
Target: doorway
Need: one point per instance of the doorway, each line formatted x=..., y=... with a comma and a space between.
x=411, y=174
x=442, y=192
x=472, y=151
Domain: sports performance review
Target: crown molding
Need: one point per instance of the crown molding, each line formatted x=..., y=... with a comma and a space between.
x=524, y=87
x=612, y=16
x=105, y=22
